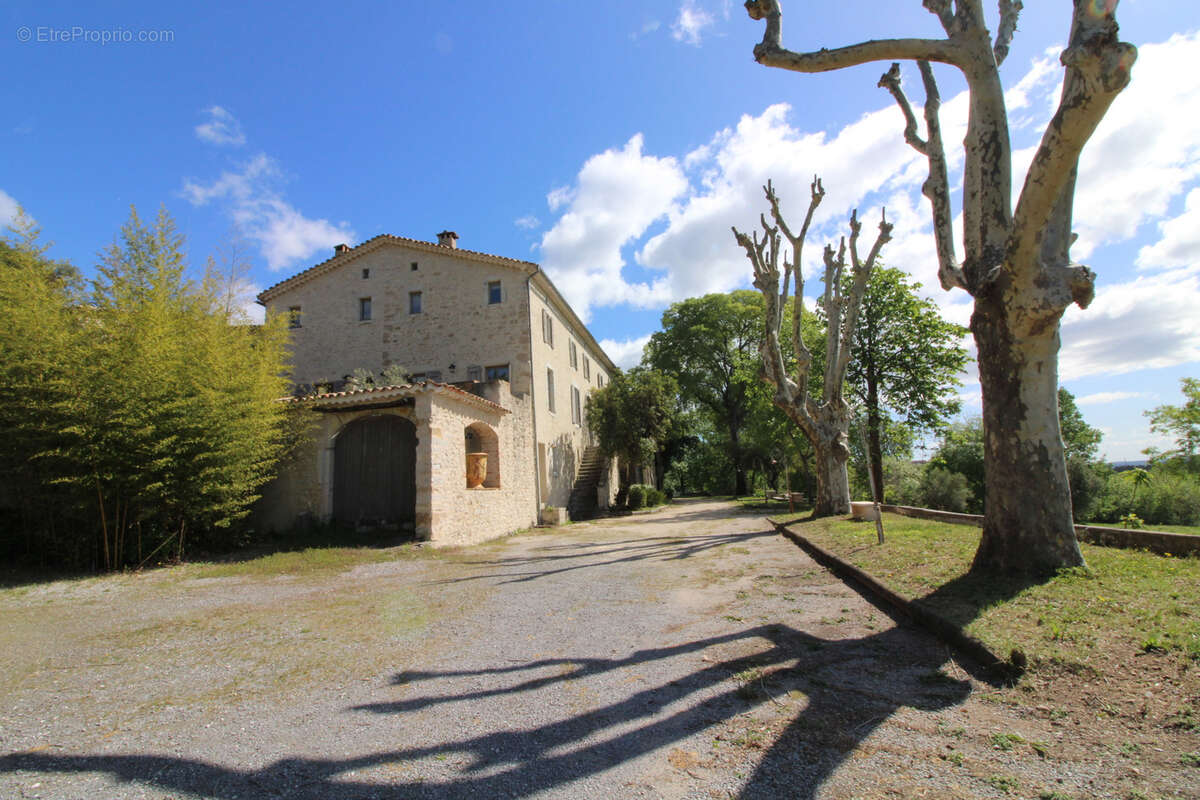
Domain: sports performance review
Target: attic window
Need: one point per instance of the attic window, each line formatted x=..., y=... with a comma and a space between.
x=366, y=272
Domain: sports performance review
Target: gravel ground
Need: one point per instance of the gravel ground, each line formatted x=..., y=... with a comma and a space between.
x=689, y=653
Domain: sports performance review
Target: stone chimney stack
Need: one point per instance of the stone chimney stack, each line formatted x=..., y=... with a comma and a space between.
x=338, y=249
x=448, y=239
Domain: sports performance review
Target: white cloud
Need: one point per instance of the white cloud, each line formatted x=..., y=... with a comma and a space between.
x=1103, y=398
x=255, y=204
x=627, y=353
x=528, y=222
x=617, y=196
x=1149, y=322
x=1146, y=150
x=691, y=22
x=1179, y=244
x=648, y=27
x=8, y=208
x=222, y=128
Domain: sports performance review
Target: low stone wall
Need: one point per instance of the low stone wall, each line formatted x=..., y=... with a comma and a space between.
x=1172, y=544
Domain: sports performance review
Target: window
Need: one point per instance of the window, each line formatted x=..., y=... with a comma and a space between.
x=576, y=407
x=496, y=373
x=600, y=379
x=587, y=368
x=434, y=375
x=547, y=328
x=364, y=309
x=574, y=354
x=414, y=266
x=414, y=302
x=294, y=316
x=474, y=373
x=417, y=377
x=366, y=273
x=495, y=293
x=550, y=389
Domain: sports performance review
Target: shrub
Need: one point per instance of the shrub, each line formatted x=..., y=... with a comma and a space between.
x=945, y=490
x=1168, y=498
x=654, y=497
x=637, y=496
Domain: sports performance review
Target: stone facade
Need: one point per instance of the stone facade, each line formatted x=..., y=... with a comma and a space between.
x=446, y=316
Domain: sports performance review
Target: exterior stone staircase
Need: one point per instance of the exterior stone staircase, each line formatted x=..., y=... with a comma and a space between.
x=582, y=504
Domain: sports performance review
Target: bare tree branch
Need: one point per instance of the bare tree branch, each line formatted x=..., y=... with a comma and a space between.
x=1098, y=68
x=943, y=11
x=1010, y=10
x=853, y=303
x=937, y=185
x=891, y=82
x=770, y=52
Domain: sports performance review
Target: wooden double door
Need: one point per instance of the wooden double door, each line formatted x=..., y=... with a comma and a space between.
x=374, y=472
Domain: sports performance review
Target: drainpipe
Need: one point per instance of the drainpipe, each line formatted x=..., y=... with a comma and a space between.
x=537, y=467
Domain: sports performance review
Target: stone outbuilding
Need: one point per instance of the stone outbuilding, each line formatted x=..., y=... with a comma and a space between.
x=495, y=361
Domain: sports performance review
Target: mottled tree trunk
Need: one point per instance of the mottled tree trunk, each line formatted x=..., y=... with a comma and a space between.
x=1028, y=525
x=833, y=483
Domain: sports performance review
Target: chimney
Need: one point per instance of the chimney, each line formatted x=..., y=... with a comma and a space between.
x=448, y=239
x=338, y=249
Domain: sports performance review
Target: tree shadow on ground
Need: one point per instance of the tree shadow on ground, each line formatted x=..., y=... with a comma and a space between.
x=559, y=558
x=844, y=688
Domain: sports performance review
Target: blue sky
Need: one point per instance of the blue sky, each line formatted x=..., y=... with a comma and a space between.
x=614, y=143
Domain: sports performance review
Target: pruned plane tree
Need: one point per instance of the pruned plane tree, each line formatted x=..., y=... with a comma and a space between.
x=1016, y=261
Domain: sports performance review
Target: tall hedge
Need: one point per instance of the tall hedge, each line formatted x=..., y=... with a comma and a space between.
x=143, y=419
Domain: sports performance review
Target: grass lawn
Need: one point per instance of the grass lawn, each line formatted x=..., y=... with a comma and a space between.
x=1123, y=605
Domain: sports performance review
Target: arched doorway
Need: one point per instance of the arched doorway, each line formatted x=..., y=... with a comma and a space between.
x=374, y=472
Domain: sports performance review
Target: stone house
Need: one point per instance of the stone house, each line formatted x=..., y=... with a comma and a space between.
x=497, y=362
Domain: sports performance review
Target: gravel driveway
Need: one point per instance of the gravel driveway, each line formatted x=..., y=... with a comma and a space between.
x=686, y=653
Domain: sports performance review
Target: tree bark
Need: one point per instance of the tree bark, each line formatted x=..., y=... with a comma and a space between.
x=833, y=483
x=1028, y=525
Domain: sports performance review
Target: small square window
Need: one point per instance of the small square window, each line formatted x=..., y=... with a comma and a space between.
x=366, y=272
x=364, y=309
x=414, y=302
x=474, y=373
x=414, y=266
x=294, y=317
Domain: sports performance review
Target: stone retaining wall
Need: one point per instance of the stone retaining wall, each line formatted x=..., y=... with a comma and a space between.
x=1174, y=544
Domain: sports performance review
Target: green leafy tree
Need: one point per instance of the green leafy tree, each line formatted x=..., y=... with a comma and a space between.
x=709, y=345
x=631, y=416
x=156, y=420
x=1080, y=440
x=907, y=360
x=1182, y=422
x=961, y=452
x=39, y=338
